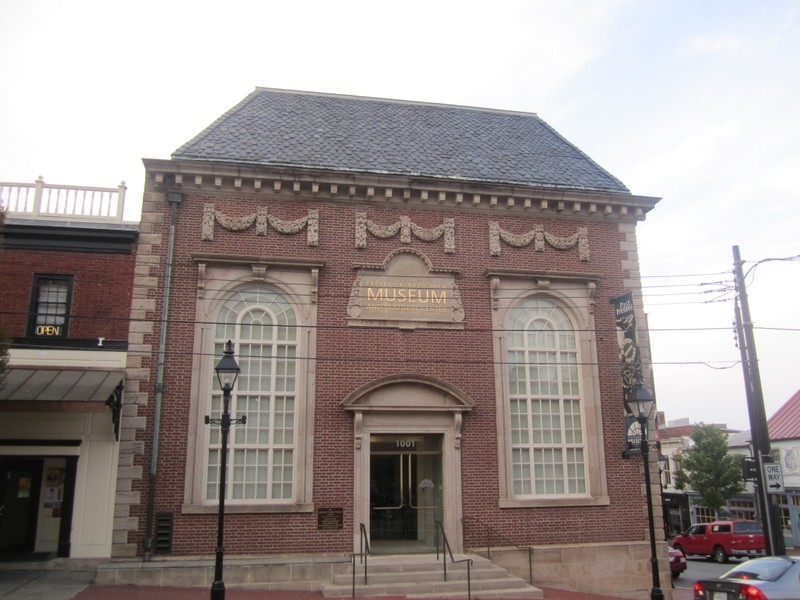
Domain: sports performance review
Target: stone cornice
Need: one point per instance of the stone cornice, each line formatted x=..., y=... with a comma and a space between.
x=238, y=259
x=544, y=275
x=216, y=178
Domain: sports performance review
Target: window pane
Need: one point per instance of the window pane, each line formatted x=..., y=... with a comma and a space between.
x=521, y=465
x=573, y=423
x=519, y=422
x=517, y=382
x=212, y=487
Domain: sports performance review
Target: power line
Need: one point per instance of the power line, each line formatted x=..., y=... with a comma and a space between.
x=332, y=327
x=369, y=358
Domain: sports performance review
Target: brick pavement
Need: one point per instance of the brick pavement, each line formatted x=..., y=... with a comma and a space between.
x=131, y=592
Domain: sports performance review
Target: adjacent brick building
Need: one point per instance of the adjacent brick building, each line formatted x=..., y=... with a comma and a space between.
x=67, y=268
x=418, y=298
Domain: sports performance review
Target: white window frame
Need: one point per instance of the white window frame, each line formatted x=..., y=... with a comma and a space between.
x=574, y=295
x=51, y=305
x=220, y=279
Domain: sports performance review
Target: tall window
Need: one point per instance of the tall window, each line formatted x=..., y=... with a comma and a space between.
x=263, y=326
x=547, y=431
x=50, y=306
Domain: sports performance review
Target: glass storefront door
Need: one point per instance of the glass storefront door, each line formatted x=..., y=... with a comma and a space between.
x=405, y=492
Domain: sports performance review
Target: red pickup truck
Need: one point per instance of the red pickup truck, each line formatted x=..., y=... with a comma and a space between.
x=722, y=539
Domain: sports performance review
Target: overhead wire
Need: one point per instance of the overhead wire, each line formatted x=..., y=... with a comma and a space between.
x=190, y=284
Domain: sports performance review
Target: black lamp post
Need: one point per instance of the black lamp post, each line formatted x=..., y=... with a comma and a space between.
x=227, y=371
x=640, y=403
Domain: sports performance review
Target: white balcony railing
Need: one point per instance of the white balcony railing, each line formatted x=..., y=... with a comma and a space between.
x=40, y=200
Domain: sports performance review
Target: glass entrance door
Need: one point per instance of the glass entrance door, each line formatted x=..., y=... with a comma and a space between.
x=405, y=492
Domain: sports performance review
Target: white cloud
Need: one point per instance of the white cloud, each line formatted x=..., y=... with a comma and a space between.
x=711, y=44
x=782, y=178
x=688, y=156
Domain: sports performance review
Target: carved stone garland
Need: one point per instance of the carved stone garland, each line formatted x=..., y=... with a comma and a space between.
x=538, y=236
x=262, y=219
x=406, y=227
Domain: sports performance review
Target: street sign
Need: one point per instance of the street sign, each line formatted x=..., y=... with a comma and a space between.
x=773, y=478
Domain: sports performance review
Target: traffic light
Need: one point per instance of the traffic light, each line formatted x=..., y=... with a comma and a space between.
x=749, y=469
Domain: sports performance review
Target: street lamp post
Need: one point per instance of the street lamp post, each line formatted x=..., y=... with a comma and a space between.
x=640, y=403
x=227, y=371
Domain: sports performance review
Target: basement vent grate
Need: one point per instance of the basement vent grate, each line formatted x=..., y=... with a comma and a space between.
x=164, y=533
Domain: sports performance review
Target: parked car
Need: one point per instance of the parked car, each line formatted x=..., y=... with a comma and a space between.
x=722, y=539
x=768, y=578
x=677, y=562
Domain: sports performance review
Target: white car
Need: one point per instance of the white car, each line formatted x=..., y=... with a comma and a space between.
x=767, y=578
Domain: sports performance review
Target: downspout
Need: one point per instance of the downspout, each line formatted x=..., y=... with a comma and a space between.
x=174, y=199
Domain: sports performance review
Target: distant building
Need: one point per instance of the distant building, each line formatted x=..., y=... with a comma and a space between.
x=681, y=507
x=784, y=436
x=67, y=270
x=673, y=438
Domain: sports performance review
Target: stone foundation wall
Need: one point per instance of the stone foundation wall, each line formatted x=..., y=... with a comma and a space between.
x=301, y=573
x=613, y=569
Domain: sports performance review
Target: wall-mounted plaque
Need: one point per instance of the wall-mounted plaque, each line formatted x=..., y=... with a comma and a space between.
x=330, y=518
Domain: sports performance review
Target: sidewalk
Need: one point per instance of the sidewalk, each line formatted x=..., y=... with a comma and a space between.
x=55, y=581
x=130, y=592
x=76, y=585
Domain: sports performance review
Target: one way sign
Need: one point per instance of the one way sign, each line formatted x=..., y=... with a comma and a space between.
x=773, y=478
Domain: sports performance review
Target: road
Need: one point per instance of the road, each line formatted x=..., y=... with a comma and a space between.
x=701, y=568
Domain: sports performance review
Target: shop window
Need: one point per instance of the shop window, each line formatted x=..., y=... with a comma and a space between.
x=783, y=510
x=704, y=515
x=666, y=474
x=50, y=306
x=742, y=509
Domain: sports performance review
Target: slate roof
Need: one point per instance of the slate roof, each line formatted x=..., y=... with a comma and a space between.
x=739, y=439
x=785, y=423
x=284, y=128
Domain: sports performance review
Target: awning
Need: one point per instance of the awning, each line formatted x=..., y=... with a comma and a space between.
x=83, y=390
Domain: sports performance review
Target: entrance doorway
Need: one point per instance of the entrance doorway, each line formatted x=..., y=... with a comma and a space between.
x=20, y=482
x=406, y=492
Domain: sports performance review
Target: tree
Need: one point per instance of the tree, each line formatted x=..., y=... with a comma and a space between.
x=708, y=469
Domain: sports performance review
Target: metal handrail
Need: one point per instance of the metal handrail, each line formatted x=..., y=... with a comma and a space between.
x=446, y=546
x=489, y=532
x=363, y=555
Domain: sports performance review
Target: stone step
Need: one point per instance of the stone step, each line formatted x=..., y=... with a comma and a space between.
x=421, y=576
x=532, y=593
x=454, y=572
x=489, y=588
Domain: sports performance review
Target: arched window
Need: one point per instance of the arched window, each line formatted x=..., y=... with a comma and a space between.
x=261, y=462
x=547, y=438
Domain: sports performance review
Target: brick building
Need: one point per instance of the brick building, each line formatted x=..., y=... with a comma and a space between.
x=418, y=298
x=67, y=268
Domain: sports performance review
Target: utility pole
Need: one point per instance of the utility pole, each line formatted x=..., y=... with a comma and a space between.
x=773, y=530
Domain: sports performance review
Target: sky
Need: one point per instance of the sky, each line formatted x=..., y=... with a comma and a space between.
x=692, y=102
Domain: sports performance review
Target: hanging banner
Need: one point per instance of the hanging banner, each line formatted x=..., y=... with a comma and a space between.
x=629, y=349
